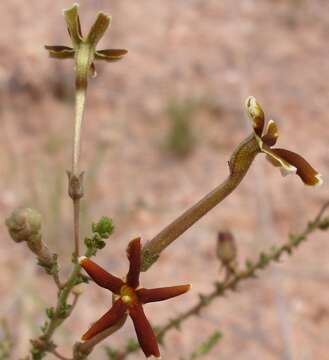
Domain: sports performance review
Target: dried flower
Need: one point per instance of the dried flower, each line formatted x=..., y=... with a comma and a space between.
x=129, y=298
x=288, y=161
x=24, y=224
x=83, y=49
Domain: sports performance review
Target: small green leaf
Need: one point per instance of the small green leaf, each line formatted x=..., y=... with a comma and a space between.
x=50, y=312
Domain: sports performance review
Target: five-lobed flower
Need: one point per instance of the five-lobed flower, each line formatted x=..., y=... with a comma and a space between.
x=129, y=298
x=288, y=161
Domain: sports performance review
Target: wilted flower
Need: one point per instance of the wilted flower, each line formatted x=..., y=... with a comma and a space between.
x=129, y=299
x=84, y=48
x=24, y=224
x=288, y=161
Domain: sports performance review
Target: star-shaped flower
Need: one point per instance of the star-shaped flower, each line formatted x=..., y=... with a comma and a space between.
x=129, y=298
x=288, y=161
x=83, y=49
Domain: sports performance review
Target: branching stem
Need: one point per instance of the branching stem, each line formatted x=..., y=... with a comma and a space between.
x=221, y=287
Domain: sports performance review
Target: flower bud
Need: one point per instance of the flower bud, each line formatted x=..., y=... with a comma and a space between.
x=24, y=224
x=226, y=247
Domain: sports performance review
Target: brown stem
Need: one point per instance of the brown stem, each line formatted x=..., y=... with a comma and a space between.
x=58, y=355
x=239, y=164
x=76, y=222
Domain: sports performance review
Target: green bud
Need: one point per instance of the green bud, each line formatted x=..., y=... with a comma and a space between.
x=104, y=227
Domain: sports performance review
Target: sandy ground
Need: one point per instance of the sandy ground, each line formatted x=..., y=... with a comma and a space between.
x=214, y=53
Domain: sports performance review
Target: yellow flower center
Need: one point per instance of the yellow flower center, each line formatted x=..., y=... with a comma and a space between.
x=128, y=295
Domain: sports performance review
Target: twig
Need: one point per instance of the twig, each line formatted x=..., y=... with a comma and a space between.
x=58, y=355
x=62, y=311
x=220, y=288
x=205, y=347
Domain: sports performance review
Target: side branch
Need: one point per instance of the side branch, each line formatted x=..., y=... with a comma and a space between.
x=239, y=164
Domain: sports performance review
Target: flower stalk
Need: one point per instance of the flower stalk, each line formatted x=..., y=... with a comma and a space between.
x=239, y=164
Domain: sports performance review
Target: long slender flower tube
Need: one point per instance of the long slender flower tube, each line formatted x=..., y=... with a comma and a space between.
x=266, y=136
x=260, y=141
x=129, y=298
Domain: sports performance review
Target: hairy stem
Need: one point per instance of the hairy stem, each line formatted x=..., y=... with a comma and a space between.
x=239, y=164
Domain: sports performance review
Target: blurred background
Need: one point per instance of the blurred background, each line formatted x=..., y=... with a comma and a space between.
x=159, y=129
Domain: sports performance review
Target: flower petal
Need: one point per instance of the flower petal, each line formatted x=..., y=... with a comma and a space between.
x=134, y=257
x=98, y=29
x=107, y=320
x=271, y=133
x=285, y=167
x=256, y=115
x=150, y=295
x=73, y=24
x=110, y=54
x=304, y=170
x=100, y=276
x=60, y=52
x=144, y=331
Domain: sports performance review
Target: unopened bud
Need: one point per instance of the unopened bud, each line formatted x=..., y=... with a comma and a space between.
x=24, y=224
x=226, y=247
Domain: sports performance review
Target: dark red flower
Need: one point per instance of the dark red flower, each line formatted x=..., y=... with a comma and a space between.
x=129, y=299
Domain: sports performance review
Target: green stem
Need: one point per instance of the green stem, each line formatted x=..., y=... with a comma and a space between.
x=61, y=303
x=239, y=164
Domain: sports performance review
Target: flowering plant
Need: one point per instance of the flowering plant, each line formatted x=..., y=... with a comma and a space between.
x=24, y=225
